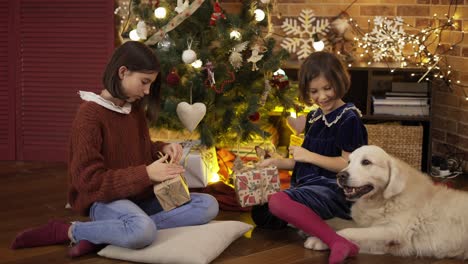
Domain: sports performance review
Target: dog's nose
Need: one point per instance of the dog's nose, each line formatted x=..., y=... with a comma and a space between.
x=342, y=175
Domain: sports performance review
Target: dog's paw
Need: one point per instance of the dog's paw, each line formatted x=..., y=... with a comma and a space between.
x=315, y=243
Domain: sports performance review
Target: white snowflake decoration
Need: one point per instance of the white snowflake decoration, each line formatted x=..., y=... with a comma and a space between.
x=386, y=40
x=310, y=25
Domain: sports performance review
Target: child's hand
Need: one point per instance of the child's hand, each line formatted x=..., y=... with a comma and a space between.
x=266, y=163
x=299, y=153
x=174, y=150
x=160, y=170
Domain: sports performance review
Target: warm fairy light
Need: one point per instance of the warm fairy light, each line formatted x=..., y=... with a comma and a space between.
x=197, y=64
x=318, y=45
x=293, y=114
x=259, y=15
x=134, y=35
x=160, y=12
x=279, y=72
x=235, y=35
x=214, y=177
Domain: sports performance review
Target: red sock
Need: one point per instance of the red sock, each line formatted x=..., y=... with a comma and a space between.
x=82, y=248
x=304, y=218
x=54, y=232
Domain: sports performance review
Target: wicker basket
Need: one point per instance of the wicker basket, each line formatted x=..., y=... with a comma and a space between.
x=403, y=142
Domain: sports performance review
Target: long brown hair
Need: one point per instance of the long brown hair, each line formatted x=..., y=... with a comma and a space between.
x=137, y=57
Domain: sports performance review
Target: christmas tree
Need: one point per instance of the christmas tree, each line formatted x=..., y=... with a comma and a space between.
x=227, y=62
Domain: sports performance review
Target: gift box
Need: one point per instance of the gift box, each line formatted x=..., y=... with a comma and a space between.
x=255, y=186
x=200, y=164
x=172, y=193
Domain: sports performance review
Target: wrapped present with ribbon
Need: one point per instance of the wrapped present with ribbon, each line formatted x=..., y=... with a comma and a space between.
x=255, y=185
x=200, y=164
x=172, y=193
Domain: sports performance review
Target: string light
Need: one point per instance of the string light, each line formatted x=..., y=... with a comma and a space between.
x=160, y=12
x=235, y=35
x=197, y=64
x=134, y=35
x=259, y=15
x=318, y=44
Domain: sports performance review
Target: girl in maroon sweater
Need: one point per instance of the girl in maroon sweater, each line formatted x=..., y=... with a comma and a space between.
x=113, y=164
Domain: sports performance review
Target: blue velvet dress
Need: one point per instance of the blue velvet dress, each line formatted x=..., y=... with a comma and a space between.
x=313, y=186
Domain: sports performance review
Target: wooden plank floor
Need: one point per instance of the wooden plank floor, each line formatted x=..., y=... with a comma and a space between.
x=31, y=193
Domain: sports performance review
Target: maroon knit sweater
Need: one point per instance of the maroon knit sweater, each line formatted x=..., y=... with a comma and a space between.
x=109, y=152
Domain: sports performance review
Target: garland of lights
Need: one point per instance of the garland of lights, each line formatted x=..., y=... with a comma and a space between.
x=387, y=41
x=425, y=48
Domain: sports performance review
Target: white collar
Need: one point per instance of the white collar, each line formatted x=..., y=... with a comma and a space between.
x=92, y=97
x=329, y=124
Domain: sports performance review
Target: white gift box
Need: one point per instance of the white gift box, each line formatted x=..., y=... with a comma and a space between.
x=200, y=164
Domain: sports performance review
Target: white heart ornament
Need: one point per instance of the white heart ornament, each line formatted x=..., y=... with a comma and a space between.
x=297, y=125
x=190, y=115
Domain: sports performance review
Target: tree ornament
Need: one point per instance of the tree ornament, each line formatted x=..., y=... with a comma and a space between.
x=296, y=124
x=236, y=57
x=217, y=14
x=254, y=117
x=265, y=93
x=211, y=84
x=189, y=56
x=281, y=81
x=210, y=73
x=173, y=79
x=166, y=43
x=141, y=30
x=256, y=56
x=190, y=115
x=181, y=6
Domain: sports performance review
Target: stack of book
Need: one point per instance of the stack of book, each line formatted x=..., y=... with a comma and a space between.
x=404, y=99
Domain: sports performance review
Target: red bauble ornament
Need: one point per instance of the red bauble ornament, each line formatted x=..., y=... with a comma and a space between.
x=173, y=78
x=254, y=117
x=280, y=81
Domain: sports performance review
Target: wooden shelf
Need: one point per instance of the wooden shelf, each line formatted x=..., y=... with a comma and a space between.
x=395, y=118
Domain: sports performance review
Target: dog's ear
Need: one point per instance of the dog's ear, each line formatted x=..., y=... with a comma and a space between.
x=396, y=180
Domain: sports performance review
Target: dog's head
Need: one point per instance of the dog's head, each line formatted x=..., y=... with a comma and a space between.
x=371, y=172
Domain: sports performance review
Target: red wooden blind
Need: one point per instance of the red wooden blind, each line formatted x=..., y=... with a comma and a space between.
x=7, y=94
x=63, y=48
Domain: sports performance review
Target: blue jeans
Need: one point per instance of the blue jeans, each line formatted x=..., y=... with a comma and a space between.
x=127, y=224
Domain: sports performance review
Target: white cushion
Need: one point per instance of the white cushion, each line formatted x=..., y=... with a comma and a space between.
x=190, y=244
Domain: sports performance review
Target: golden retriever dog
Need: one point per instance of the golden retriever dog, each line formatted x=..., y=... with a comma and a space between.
x=399, y=210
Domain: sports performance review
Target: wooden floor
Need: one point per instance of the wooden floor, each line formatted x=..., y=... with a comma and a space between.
x=31, y=193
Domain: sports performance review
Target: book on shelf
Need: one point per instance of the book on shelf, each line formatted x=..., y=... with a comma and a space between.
x=402, y=110
x=400, y=101
x=410, y=87
x=405, y=94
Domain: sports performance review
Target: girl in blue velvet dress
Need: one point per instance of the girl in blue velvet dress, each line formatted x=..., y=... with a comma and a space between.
x=331, y=134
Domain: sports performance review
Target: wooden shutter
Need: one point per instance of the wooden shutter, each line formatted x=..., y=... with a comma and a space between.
x=7, y=91
x=63, y=48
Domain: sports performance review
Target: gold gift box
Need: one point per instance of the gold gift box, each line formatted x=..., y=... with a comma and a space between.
x=172, y=193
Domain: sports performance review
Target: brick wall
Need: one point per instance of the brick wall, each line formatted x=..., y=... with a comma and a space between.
x=450, y=109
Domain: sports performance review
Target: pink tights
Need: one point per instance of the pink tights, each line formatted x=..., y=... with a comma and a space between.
x=304, y=218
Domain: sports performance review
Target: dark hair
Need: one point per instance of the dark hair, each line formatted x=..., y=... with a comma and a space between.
x=137, y=57
x=330, y=67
